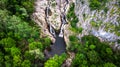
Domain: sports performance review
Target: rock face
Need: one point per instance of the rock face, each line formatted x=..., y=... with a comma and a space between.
x=57, y=7
x=39, y=17
x=103, y=23
x=68, y=61
x=100, y=23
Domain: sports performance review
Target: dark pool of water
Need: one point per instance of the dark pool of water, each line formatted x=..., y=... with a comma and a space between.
x=58, y=47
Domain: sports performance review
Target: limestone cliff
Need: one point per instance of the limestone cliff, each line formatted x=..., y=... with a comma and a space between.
x=103, y=22
x=56, y=7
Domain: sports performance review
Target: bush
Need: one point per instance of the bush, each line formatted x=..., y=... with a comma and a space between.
x=55, y=61
x=8, y=42
x=15, y=51
x=35, y=45
x=94, y=4
x=109, y=65
x=17, y=61
x=26, y=63
x=29, y=56
x=80, y=60
x=46, y=42
x=73, y=38
x=93, y=57
x=71, y=16
x=1, y=59
x=97, y=4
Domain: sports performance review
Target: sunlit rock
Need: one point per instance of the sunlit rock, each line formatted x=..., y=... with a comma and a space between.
x=103, y=22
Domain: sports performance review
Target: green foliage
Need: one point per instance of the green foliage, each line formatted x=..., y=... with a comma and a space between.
x=1, y=58
x=79, y=29
x=71, y=16
x=26, y=63
x=90, y=39
x=16, y=61
x=46, y=42
x=3, y=4
x=35, y=45
x=8, y=61
x=16, y=34
x=37, y=54
x=23, y=12
x=15, y=51
x=118, y=3
x=106, y=9
x=94, y=4
x=15, y=6
x=93, y=56
x=92, y=47
x=97, y=4
x=109, y=51
x=21, y=28
x=35, y=49
x=29, y=56
x=91, y=52
x=73, y=38
x=55, y=61
x=28, y=4
x=75, y=44
x=8, y=42
x=79, y=60
x=3, y=21
x=76, y=30
x=109, y=65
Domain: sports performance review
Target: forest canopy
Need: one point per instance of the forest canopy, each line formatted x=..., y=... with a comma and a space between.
x=20, y=42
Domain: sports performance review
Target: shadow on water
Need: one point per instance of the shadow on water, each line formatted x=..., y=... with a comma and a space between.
x=58, y=47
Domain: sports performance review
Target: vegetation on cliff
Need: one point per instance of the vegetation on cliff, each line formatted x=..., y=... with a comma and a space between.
x=89, y=50
x=72, y=18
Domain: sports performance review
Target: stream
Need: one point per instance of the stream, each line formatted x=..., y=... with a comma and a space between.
x=59, y=46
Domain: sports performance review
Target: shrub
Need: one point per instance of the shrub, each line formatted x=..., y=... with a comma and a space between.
x=35, y=45
x=26, y=63
x=8, y=42
x=55, y=61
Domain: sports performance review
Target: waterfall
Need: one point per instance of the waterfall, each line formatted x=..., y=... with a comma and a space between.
x=59, y=45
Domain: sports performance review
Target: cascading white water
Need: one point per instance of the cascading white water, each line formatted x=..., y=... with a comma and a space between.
x=59, y=46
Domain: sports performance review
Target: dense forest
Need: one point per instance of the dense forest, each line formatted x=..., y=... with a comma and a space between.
x=21, y=44
x=20, y=41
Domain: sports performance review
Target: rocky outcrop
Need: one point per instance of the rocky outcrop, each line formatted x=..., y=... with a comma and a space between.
x=103, y=23
x=68, y=61
x=39, y=17
x=56, y=8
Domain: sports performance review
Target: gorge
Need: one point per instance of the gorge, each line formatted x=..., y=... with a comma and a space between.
x=55, y=32
x=59, y=33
